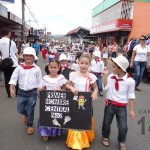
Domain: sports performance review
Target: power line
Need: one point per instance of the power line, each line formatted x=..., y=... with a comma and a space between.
x=32, y=15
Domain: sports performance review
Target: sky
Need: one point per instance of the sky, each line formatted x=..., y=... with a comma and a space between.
x=58, y=16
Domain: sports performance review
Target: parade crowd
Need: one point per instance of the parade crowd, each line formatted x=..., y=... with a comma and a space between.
x=89, y=71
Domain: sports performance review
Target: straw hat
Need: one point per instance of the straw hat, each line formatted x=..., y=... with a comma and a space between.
x=30, y=51
x=63, y=57
x=97, y=54
x=122, y=62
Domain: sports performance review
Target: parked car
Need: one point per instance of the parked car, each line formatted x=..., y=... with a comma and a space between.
x=60, y=51
x=76, y=50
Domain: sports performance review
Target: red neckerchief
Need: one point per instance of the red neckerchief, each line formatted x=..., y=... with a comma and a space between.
x=117, y=81
x=64, y=66
x=52, y=53
x=97, y=60
x=26, y=67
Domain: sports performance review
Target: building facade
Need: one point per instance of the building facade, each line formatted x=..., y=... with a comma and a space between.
x=120, y=20
x=12, y=21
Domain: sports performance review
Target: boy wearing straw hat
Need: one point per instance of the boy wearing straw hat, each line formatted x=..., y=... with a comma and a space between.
x=29, y=77
x=63, y=61
x=120, y=89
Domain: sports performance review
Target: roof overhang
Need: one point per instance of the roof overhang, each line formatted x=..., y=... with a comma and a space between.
x=116, y=25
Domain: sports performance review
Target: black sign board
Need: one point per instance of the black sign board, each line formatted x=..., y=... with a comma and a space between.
x=62, y=109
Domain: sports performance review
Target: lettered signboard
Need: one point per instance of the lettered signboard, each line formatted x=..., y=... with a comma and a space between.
x=62, y=109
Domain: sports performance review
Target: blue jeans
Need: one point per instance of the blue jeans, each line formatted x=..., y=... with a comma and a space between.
x=121, y=117
x=26, y=104
x=139, y=68
x=99, y=82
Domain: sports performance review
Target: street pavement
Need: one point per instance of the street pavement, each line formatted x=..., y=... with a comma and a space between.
x=13, y=132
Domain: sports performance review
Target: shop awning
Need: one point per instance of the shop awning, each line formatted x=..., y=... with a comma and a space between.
x=116, y=25
x=80, y=32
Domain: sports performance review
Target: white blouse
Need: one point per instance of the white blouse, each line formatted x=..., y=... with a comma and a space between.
x=54, y=83
x=82, y=83
x=75, y=67
x=141, y=53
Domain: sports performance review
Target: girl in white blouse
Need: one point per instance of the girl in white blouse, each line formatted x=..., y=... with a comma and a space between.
x=53, y=81
x=81, y=80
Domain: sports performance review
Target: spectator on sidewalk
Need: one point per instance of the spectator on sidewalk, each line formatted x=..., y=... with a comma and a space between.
x=114, y=50
x=4, y=49
x=140, y=60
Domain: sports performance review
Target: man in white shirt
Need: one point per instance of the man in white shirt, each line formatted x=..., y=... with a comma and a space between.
x=4, y=49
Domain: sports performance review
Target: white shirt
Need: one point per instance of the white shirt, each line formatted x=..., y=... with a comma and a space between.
x=28, y=79
x=25, y=45
x=141, y=53
x=105, y=53
x=52, y=51
x=54, y=83
x=4, y=48
x=126, y=89
x=97, y=67
x=75, y=67
x=82, y=83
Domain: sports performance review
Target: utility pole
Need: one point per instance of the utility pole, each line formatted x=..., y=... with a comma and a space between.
x=23, y=19
x=45, y=34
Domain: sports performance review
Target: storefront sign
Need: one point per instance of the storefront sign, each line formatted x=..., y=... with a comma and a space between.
x=3, y=11
x=41, y=31
x=15, y=28
x=48, y=33
x=10, y=1
x=15, y=18
x=116, y=25
x=64, y=110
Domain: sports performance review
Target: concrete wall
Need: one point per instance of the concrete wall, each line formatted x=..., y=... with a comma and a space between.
x=141, y=20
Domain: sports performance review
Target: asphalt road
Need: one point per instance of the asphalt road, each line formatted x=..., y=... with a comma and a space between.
x=13, y=132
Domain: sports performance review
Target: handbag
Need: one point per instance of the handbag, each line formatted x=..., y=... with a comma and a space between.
x=7, y=62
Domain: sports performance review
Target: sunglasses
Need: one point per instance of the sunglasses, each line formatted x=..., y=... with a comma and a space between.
x=142, y=39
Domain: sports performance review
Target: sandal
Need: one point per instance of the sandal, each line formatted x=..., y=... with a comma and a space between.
x=45, y=138
x=105, y=142
x=30, y=130
x=122, y=146
x=25, y=119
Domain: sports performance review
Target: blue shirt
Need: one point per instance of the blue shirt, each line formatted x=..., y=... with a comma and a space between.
x=36, y=46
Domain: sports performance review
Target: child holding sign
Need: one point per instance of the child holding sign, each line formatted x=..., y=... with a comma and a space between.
x=82, y=80
x=53, y=81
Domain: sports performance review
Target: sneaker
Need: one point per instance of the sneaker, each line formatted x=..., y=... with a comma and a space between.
x=30, y=130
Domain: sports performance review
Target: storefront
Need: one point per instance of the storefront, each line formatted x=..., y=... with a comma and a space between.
x=120, y=20
x=9, y=20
